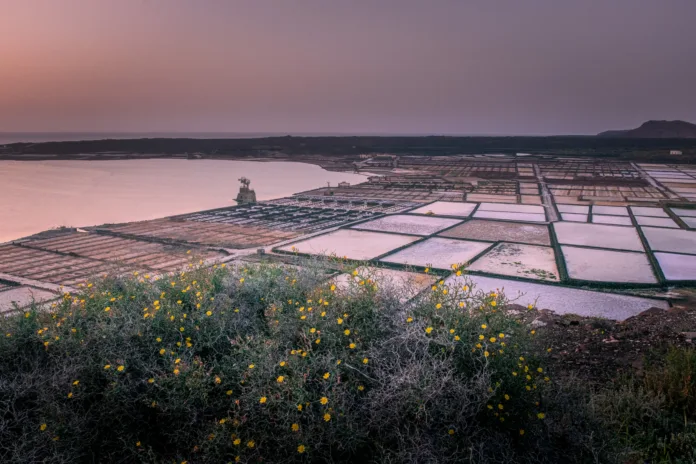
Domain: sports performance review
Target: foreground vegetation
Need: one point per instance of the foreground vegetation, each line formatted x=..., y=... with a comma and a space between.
x=277, y=364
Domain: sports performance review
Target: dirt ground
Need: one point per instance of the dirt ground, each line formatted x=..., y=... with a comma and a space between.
x=602, y=350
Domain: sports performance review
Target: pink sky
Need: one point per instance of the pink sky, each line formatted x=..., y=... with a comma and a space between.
x=396, y=66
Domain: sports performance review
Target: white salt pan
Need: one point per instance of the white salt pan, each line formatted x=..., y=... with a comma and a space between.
x=446, y=208
x=611, y=210
x=519, y=217
x=607, y=266
x=438, y=252
x=353, y=244
x=598, y=235
x=408, y=224
x=562, y=300
x=616, y=220
x=677, y=267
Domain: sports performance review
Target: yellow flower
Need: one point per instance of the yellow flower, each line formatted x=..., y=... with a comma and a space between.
x=120, y=368
x=451, y=331
x=333, y=287
x=107, y=309
x=521, y=431
x=208, y=313
x=326, y=376
x=346, y=332
x=493, y=303
x=176, y=371
x=158, y=339
x=500, y=406
x=251, y=366
x=459, y=273
x=299, y=407
x=218, y=380
x=456, y=337
x=236, y=442
x=312, y=330
x=251, y=444
x=492, y=340
x=507, y=397
x=43, y=427
x=177, y=360
x=70, y=395
x=427, y=269
x=323, y=400
x=162, y=351
x=76, y=383
x=539, y=369
x=317, y=341
x=484, y=326
x=280, y=379
x=150, y=380
x=295, y=427
x=301, y=449
x=228, y=392
x=438, y=306
x=481, y=337
x=451, y=431
x=486, y=353
x=339, y=321
x=541, y=415
x=365, y=360
x=323, y=313
x=282, y=363
x=108, y=366
x=409, y=319
x=428, y=330
x=351, y=346
x=263, y=400
x=327, y=417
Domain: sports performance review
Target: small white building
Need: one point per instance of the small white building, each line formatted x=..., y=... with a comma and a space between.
x=344, y=184
x=675, y=152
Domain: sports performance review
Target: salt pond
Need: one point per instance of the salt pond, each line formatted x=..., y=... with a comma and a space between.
x=446, y=208
x=511, y=259
x=598, y=235
x=353, y=244
x=676, y=266
x=438, y=252
x=562, y=300
x=408, y=224
x=494, y=231
x=607, y=265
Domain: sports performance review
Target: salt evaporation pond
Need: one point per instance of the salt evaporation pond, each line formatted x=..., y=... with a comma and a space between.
x=607, y=265
x=648, y=211
x=446, y=208
x=438, y=252
x=408, y=224
x=497, y=231
x=657, y=222
x=676, y=266
x=562, y=300
x=508, y=216
x=512, y=259
x=598, y=235
x=615, y=220
x=674, y=240
x=352, y=244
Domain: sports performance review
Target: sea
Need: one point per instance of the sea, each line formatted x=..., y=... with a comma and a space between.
x=41, y=195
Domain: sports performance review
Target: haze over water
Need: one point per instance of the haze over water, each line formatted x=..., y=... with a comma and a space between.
x=39, y=195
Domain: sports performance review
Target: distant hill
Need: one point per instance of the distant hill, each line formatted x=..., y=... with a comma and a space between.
x=656, y=130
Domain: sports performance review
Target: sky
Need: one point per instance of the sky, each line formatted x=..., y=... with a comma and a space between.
x=345, y=66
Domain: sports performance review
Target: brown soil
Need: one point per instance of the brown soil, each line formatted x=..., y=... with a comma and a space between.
x=600, y=350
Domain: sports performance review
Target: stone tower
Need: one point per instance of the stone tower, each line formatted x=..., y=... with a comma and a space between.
x=246, y=195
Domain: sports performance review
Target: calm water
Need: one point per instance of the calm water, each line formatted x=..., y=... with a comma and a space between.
x=39, y=195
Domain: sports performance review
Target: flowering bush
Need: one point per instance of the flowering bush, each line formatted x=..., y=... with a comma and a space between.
x=270, y=363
